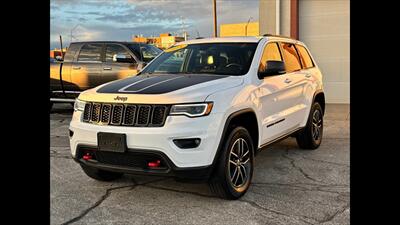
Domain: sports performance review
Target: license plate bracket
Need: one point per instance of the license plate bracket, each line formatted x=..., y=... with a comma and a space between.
x=111, y=142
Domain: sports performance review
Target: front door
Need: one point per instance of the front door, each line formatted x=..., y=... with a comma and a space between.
x=86, y=70
x=113, y=70
x=274, y=96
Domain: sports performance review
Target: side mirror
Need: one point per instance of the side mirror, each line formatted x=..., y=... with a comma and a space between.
x=122, y=58
x=273, y=67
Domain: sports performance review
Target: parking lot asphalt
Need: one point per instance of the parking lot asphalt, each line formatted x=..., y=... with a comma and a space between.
x=289, y=186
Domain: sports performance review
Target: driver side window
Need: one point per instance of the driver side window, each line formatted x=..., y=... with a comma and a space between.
x=271, y=52
x=113, y=49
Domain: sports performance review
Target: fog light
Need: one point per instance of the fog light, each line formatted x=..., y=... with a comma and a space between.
x=87, y=157
x=187, y=143
x=154, y=164
x=71, y=133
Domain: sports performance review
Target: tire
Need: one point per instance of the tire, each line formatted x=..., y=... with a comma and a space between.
x=99, y=174
x=225, y=182
x=310, y=137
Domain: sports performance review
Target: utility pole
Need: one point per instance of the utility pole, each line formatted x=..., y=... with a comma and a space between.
x=215, y=17
x=62, y=53
x=248, y=21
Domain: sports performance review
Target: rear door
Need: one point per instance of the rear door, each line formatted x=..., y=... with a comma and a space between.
x=113, y=70
x=310, y=74
x=86, y=71
x=297, y=82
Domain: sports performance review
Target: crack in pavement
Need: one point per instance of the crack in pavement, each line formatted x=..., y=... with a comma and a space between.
x=306, y=175
x=301, y=218
x=181, y=191
x=314, y=187
x=333, y=216
x=324, y=161
x=298, y=217
x=105, y=196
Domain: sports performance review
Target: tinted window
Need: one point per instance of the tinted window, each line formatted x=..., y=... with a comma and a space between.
x=147, y=52
x=306, y=60
x=210, y=58
x=112, y=50
x=292, y=61
x=90, y=52
x=271, y=52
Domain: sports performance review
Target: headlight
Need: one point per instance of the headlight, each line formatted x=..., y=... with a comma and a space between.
x=192, y=110
x=79, y=105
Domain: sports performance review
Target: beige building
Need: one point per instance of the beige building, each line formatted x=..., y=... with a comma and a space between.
x=324, y=26
x=240, y=29
x=164, y=41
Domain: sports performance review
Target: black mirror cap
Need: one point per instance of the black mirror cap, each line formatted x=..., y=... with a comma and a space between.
x=274, y=67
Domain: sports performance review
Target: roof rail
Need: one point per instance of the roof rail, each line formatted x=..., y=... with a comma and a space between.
x=275, y=35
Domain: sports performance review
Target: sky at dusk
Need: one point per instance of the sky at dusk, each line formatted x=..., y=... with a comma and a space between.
x=118, y=20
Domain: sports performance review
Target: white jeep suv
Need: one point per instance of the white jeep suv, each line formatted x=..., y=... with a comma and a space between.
x=201, y=110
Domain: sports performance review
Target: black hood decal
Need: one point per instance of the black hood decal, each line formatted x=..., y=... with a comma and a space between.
x=156, y=84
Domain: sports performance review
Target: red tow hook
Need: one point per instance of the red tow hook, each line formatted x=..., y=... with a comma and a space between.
x=154, y=164
x=87, y=157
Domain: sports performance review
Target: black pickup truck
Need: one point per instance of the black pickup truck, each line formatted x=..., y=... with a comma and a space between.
x=89, y=64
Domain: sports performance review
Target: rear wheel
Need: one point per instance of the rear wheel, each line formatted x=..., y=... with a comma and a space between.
x=99, y=174
x=310, y=137
x=233, y=173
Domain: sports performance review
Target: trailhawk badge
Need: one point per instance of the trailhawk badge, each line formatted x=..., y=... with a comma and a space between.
x=118, y=98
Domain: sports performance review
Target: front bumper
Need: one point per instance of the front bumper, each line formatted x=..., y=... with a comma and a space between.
x=134, y=161
x=159, y=139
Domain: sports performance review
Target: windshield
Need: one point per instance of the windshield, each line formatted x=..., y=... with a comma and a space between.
x=210, y=58
x=148, y=52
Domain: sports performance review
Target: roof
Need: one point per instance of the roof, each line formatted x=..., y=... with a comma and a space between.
x=121, y=42
x=239, y=39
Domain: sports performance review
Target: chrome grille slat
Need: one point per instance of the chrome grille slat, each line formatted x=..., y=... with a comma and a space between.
x=117, y=113
x=130, y=114
x=87, y=112
x=95, y=115
x=133, y=115
x=143, y=117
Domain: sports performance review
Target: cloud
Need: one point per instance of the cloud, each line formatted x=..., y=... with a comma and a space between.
x=120, y=19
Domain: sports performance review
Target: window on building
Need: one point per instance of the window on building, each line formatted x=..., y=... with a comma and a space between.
x=90, y=52
x=271, y=52
x=306, y=60
x=113, y=49
x=292, y=60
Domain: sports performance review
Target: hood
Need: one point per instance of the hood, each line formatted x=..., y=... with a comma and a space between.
x=161, y=89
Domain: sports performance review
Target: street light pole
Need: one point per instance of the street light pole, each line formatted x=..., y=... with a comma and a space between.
x=248, y=21
x=215, y=17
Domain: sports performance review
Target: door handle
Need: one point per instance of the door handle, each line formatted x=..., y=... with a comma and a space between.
x=76, y=67
x=107, y=68
x=287, y=80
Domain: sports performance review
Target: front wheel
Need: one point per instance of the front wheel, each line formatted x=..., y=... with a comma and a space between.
x=310, y=137
x=234, y=169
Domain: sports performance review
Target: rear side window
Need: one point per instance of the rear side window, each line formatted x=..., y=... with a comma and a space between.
x=70, y=54
x=113, y=50
x=90, y=52
x=292, y=61
x=271, y=52
x=305, y=57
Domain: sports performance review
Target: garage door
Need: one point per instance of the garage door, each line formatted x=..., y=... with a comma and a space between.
x=324, y=26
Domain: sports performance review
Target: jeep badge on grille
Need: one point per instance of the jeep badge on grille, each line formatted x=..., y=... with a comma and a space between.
x=118, y=98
